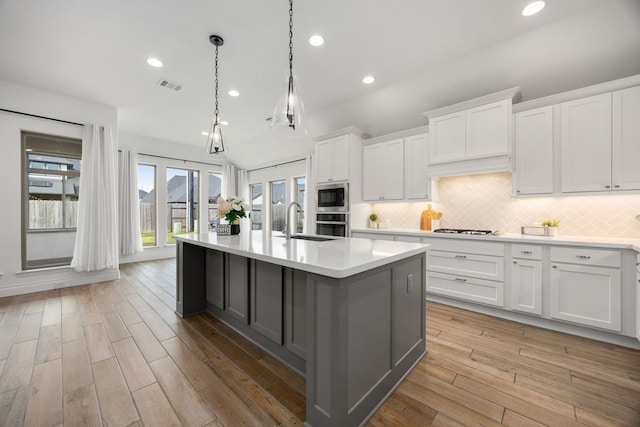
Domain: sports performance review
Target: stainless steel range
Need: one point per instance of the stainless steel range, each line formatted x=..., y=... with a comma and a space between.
x=464, y=231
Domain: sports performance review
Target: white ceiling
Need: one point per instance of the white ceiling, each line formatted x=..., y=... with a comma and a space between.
x=424, y=54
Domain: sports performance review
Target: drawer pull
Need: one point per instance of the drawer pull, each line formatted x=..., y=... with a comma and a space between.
x=583, y=257
x=460, y=279
x=555, y=266
x=515, y=262
x=526, y=252
x=460, y=256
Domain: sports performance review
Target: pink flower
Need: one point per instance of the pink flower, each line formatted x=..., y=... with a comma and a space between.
x=224, y=208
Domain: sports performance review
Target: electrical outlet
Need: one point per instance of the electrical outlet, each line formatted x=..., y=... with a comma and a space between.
x=409, y=283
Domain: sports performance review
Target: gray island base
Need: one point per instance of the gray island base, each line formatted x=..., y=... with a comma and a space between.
x=349, y=314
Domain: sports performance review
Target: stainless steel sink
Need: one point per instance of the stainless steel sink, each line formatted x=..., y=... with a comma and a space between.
x=312, y=238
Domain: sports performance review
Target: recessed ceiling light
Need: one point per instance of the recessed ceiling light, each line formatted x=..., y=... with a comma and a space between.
x=154, y=62
x=368, y=80
x=533, y=8
x=234, y=92
x=316, y=40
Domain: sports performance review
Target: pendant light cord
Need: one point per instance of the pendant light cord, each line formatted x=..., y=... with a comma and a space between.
x=290, y=38
x=216, y=110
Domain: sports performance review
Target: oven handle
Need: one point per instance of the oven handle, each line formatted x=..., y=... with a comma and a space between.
x=331, y=222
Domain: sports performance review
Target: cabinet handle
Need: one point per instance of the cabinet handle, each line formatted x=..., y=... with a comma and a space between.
x=607, y=186
x=555, y=266
x=460, y=279
x=460, y=256
x=583, y=257
x=526, y=252
x=515, y=262
x=616, y=186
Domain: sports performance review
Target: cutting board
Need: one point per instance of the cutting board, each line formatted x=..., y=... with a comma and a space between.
x=426, y=217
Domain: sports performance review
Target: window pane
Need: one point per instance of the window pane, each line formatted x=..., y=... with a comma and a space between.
x=278, y=206
x=182, y=202
x=50, y=199
x=256, y=207
x=300, y=184
x=215, y=190
x=147, y=198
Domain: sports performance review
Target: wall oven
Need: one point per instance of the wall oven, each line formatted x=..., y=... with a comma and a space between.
x=332, y=197
x=332, y=224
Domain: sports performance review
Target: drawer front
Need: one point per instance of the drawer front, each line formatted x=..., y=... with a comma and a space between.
x=526, y=252
x=465, y=246
x=464, y=264
x=599, y=257
x=410, y=239
x=372, y=236
x=466, y=288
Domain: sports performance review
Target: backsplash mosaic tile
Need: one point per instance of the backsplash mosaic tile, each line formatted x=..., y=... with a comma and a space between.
x=484, y=202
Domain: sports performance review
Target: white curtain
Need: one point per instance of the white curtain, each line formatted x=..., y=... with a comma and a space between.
x=243, y=192
x=128, y=203
x=229, y=180
x=97, y=234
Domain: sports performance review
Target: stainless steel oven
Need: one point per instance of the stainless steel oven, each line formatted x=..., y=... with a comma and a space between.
x=332, y=197
x=332, y=224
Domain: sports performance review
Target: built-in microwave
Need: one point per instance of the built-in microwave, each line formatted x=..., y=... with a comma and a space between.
x=332, y=197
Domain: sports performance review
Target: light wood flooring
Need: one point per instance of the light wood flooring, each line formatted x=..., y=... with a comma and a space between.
x=114, y=353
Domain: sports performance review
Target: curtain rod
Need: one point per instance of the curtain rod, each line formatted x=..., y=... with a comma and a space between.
x=41, y=117
x=275, y=166
x=182, y=160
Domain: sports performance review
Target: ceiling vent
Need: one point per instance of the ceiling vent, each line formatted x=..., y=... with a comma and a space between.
x=170, y=85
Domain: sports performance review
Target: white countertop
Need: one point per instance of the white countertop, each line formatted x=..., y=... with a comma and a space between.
x=337, y=258
x=604, y=242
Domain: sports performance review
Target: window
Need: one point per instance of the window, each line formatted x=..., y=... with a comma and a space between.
x=215, y=190
x=147, y=198
x=299, y=187
x=256, y=207
x=51, y=186
x=278, y=205
x=182, y=202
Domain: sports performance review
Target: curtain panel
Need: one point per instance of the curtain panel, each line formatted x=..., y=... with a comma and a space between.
x=128, y=203
x=96, y=245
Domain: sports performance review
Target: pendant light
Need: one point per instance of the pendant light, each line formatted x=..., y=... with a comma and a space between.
x=215, y=143
x=288, y=117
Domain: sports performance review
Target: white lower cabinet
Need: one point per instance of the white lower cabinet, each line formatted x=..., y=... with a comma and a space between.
x=586, y=292
x=526, y=278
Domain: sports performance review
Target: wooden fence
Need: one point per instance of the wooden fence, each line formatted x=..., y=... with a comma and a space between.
x=48, y=214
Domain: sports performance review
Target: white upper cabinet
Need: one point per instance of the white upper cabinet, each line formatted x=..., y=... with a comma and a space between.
x=626, y=139
x=448, y=138
x=333, y=159
x=533, y=151
x=477, y=132
x=488, y=129
x=417, y=184
x=586, y=144
x=383, y=171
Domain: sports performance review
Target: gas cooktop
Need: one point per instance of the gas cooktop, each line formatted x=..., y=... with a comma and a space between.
x=463, y=231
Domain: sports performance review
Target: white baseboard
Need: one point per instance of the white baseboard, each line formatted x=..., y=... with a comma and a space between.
x=60, y=282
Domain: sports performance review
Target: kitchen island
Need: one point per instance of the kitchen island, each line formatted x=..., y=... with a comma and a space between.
x=347, y=313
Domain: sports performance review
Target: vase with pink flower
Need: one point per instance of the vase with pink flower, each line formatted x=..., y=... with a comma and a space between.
x=232, y=209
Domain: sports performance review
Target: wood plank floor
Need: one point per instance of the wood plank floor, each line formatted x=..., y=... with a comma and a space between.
x=114, y=353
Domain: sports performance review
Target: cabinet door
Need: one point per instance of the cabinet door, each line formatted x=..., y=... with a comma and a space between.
x=372, y=172
x=417, y=184
x=323, y=161
x=266, y=299
x=526, y=286
x=488, y=129
x=214, y=277
x=237, y=287
x=587, y=295
x=296, y=312
x=447, y=138
x=586, y=144
x=340, y=158
x=626, y=139
x=534, y=151
x=392, y=171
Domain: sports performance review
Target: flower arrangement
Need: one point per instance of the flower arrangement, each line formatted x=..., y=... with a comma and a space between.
x=231, y=209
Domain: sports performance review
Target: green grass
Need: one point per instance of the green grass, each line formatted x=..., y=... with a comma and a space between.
x=149, y=239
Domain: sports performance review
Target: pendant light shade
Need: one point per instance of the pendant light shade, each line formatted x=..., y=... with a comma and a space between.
x=215, y=140
x=288, y=117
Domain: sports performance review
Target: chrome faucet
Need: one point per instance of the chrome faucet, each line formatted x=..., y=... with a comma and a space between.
x=288, y=222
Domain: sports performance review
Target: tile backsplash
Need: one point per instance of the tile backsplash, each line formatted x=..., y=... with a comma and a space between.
x=484, y=202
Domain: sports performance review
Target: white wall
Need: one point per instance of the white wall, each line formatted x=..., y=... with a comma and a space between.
x=200, y=161
x=28, y=100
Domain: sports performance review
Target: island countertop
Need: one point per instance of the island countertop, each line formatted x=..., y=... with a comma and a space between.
x=337, y=258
